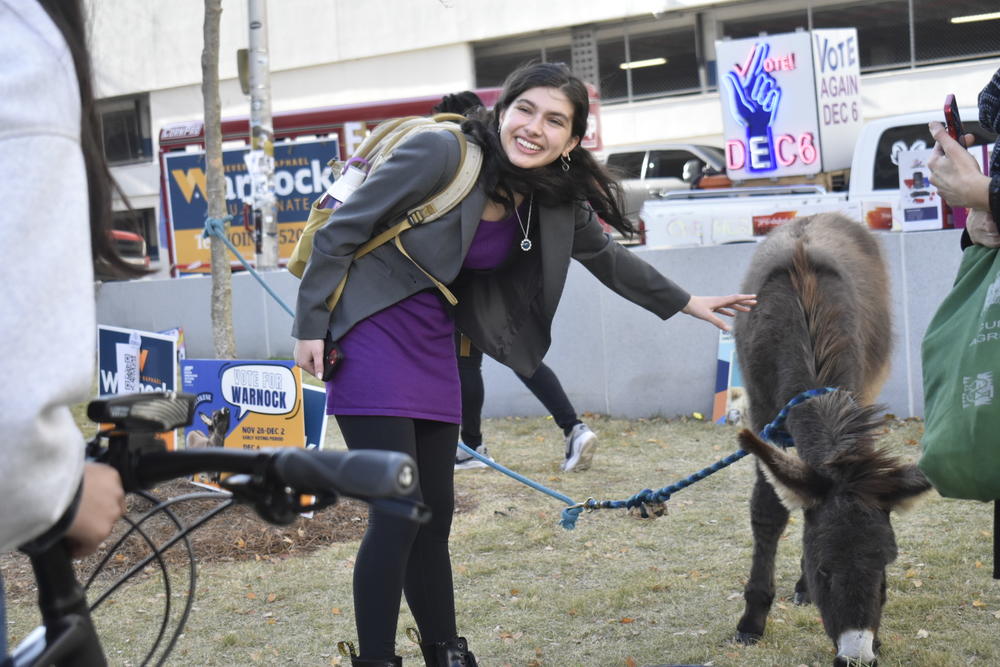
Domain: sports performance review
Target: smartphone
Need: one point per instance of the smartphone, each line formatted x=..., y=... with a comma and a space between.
x=953, y=121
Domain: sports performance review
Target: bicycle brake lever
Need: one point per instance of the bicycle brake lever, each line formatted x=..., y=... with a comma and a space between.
x=280, y=506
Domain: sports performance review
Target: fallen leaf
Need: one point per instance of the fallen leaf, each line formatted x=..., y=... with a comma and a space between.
x=979, y=564
x=630, y=662
x=271, y=597
x=515, y=591
x=626, y=619
x=910, y=573
x=923, y=634
x=917, y=583
x=336, y=611
x=978, y=603
x=985, y=533
x=251, y=596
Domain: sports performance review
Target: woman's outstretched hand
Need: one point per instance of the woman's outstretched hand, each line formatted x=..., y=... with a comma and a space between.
x=706, y=307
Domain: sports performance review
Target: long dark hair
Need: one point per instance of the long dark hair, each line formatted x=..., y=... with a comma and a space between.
x=586, y=181
x=68, y=16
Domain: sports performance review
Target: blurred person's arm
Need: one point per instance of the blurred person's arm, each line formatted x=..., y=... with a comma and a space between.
x=47, y=314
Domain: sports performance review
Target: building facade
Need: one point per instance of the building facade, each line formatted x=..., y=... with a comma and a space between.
x=653, y=61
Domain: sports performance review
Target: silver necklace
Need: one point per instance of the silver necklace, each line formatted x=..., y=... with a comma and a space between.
x=525, y=242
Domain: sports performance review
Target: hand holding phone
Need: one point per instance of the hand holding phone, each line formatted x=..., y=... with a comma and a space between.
x=953, y=121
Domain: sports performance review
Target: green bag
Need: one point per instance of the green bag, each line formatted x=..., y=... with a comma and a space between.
x=961, y=361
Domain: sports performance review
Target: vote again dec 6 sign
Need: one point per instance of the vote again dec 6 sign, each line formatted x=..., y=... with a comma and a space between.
x=791, y=103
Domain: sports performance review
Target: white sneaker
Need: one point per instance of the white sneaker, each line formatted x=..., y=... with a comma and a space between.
x=464, y=461
x=580, y=446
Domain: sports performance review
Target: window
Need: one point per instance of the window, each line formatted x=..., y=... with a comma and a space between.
x=627, y=165
x=495, y=60
x=772, y=24
x=612, y=78
x=937, y=39
x=886, y=169
x=679, y=71
x=639, y=60
x=667, y=164
x=125, y=129
x=883, y=30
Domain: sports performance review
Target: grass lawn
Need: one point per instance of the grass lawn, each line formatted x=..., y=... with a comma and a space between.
x=616, y=590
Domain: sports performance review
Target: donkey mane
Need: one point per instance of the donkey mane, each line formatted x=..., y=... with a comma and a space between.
x=823, y=317
x=852, y=425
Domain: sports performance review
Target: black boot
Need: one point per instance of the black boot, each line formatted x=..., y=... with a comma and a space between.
x=452, y=653
x=347, y=650
x=394, y=661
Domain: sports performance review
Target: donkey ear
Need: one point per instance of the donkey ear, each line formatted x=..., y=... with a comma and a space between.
x=902, y=487
x=796, y=483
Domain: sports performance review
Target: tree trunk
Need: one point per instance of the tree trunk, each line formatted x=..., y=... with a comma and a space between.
x=222, y=275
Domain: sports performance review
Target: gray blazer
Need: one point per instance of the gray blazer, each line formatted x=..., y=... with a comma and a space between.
x=507, y=313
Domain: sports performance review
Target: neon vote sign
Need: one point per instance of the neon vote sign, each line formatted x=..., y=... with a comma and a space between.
x=769, y=97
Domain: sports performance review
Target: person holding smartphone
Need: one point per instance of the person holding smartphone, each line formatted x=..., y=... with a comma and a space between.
x=958, y=178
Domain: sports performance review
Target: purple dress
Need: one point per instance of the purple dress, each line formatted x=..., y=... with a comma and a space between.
x=401, y=361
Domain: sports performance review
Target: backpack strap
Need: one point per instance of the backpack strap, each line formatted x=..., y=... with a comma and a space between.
x=461, y=184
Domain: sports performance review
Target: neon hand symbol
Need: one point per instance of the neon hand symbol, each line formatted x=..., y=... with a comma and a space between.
x=755, y=96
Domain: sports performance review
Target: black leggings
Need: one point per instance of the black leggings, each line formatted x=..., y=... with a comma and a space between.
x=543, y=384
x=398, y=555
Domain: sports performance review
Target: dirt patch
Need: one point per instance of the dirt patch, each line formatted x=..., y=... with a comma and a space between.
x=236, y=534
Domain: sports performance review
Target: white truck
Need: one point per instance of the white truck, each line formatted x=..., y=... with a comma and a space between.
x=869, y=192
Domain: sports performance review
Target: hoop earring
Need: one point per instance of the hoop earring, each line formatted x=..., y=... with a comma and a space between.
x=564, y=161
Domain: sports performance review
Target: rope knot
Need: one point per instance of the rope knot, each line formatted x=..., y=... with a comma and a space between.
x=216, y=226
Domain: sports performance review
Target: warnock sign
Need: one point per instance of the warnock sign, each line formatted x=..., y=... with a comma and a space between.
x=301, y=175
x=791, y=103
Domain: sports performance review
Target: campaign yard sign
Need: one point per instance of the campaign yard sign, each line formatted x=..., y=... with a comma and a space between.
x=301, y=174
x=243, y=404
x=131, y=361
x=314, y=412
x=791, y=103
x=730, y=403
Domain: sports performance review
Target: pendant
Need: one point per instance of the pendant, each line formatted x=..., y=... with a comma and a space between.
x=526, y=245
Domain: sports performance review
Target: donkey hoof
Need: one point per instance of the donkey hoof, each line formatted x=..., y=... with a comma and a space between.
x=801, y=598
x=747, y=638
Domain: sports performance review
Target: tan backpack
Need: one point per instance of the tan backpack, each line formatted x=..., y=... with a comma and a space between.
x=375, y=150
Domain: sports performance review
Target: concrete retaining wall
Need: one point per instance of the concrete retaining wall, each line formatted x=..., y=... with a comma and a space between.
x=611, y=356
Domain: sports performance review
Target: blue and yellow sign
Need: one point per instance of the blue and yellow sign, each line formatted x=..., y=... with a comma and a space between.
x=301, y=174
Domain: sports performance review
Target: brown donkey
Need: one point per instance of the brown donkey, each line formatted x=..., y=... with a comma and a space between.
x=822, y=321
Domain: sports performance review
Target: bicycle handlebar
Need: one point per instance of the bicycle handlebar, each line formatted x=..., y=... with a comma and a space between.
x=142, y=460
x=274, y=481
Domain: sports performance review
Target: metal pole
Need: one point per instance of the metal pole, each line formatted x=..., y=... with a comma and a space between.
x=260, y=160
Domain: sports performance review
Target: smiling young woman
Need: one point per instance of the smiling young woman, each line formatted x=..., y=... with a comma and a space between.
x=504, y=252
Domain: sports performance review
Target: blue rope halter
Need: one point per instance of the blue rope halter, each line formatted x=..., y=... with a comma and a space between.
x=774, y=432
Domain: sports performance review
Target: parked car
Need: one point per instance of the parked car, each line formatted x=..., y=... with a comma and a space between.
x=131, y=247
x=648, y=171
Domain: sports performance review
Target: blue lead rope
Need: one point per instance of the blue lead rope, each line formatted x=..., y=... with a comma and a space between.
x=217, y=227
x=774, y=432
